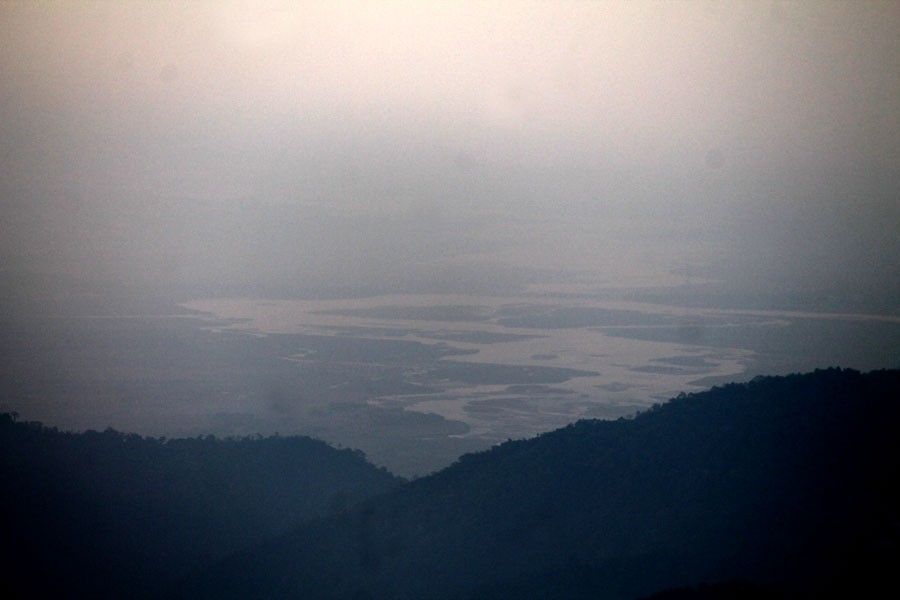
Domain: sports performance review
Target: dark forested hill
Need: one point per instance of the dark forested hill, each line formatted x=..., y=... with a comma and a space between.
x=785, y=484
x=115, y=515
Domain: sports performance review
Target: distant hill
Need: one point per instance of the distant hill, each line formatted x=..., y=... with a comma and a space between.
x=783, y=485
x=95, y=515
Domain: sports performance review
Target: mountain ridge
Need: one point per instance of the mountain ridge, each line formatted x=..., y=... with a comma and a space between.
x=772, y=481
x=107, y=514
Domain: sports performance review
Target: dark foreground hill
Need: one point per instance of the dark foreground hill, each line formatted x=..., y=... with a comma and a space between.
x=95, y=515
x=784, y=485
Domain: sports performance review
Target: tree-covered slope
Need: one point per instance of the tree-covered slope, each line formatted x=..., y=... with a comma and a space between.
x=786, y=483
x=117, y=515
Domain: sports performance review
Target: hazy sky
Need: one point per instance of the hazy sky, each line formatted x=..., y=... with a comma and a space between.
x=345, y=141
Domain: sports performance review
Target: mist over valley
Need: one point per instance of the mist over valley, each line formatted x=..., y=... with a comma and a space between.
x=497, y=299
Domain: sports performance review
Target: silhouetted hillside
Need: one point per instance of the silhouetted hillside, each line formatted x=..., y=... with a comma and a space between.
x=116, y=515
x=782, y=483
